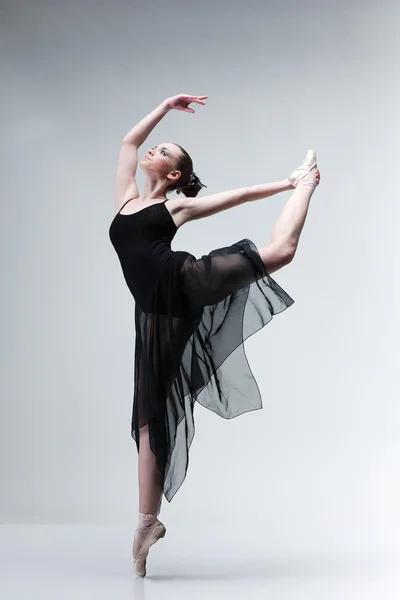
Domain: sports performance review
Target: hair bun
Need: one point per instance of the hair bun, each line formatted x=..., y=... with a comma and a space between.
x=193, y=179
x=193, y=186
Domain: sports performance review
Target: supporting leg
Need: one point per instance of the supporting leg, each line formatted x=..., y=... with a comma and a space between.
x=149, y=528
x=150, y=477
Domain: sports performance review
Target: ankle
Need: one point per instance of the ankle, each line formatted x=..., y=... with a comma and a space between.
x=308, y=181
x=146, y=519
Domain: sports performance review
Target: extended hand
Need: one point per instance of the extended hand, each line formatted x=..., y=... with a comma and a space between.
x=182, y=101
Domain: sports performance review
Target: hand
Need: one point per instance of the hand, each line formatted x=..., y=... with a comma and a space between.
x=182, y=101
x=317, y=176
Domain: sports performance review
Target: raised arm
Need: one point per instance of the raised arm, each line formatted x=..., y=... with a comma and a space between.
x=125, y=180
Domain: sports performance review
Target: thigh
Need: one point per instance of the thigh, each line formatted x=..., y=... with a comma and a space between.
x=161, y=340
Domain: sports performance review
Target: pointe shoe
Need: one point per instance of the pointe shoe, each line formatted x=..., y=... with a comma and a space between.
x=305, y=171
x=156, y=532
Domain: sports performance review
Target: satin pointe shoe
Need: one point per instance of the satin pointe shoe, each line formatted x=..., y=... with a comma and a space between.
x=305, y=171
x=142, y=544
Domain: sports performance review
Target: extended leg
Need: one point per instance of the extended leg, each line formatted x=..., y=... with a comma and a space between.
x=287, y=230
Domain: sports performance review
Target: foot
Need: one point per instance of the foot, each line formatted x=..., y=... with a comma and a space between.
x=306, y=172
x=144, y=538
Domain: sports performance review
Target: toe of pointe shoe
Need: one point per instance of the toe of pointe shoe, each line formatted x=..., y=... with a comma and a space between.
x=310, y=160
x=140, y=569
x=311, y=157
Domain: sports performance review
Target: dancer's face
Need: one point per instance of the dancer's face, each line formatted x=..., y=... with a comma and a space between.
x=161, y=161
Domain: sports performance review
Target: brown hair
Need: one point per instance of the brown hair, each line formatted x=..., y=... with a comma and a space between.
x=188, y=183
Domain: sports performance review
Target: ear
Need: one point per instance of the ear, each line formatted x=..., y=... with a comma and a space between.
x=174, y=175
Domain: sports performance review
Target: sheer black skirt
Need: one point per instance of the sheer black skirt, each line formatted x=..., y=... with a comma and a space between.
x=190, y=348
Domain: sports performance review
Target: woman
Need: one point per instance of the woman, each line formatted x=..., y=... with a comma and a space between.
x=191, y=315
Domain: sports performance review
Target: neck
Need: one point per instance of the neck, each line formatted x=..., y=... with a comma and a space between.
x=153, y=190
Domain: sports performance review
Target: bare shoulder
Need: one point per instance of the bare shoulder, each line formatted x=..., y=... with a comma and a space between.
x=178, y=209
x=120, y=202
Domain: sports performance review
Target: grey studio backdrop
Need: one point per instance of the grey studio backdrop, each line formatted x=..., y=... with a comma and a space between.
x=317, y=468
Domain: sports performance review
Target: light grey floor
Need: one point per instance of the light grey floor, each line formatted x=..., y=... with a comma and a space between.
x=82, y=562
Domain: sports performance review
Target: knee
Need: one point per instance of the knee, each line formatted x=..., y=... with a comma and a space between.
x=276, y=255
x=288, y=251
x=289, y=254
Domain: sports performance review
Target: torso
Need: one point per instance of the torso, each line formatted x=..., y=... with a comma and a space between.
x=175, y=206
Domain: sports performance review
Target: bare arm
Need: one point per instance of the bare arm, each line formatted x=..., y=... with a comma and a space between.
x=139, y=134
x=125, y=176
x=198, y=208
x=125, y=180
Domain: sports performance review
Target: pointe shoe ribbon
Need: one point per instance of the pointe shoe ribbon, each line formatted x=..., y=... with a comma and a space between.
x=305, y=171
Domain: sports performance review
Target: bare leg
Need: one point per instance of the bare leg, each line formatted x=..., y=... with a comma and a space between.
x=149, y=528
x=286, y=232
x=291, y=220
x=150, y=478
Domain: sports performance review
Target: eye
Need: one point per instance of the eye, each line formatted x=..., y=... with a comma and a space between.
x=163, y=151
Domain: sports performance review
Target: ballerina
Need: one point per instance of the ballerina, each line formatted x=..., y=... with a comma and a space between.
x=192, y=315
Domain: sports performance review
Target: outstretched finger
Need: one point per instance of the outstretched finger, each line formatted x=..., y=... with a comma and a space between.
x=189, y=110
